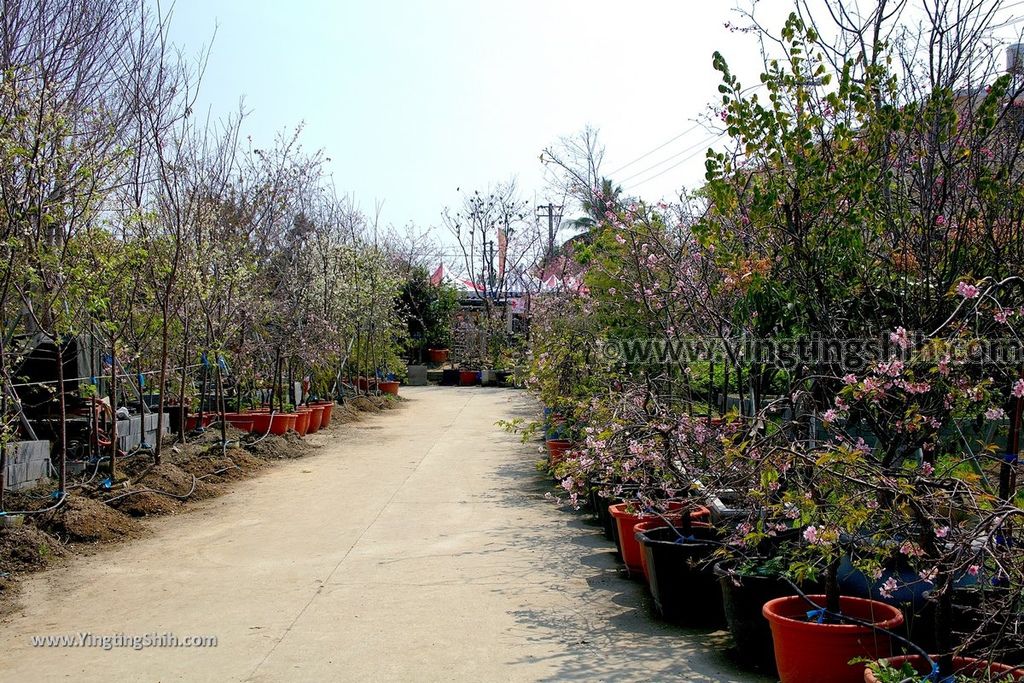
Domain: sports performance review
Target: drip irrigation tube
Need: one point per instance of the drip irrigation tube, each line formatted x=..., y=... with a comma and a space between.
x=63, y=497
x=270, y=425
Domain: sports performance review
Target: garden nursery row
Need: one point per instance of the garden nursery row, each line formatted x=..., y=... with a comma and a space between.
x=794, y=398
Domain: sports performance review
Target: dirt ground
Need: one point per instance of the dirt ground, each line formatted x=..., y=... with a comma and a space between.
x=95, y=514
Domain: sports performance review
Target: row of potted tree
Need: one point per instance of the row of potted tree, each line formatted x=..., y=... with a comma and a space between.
x=794, y=399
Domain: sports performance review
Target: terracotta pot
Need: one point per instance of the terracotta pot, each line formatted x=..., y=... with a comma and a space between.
x=468, y=378
x=557, y=449
x=316, y=417
x=328, y=407
x=302, y=421
x=388, y=387
x=626, y=522
x=961, y=665
x=437, y=355
x=809, y=652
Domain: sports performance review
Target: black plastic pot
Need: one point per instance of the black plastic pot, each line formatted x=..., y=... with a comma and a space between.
x=449, y=378
x=743, y=596
x=681, y=577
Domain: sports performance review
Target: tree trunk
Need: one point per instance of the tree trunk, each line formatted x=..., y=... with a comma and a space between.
x=113, y=411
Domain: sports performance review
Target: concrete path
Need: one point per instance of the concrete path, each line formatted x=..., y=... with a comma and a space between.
x=418, y=547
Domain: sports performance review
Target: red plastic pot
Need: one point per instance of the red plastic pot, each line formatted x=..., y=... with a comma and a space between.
x=316, y=417
x=241, y=421
x=302, y=421
x=192, y=421
x=967, y=666
x=626, y=523
x=437, y=355
x=388, y=387
x=279, y=424
x=809, y=652
x=468, y=378
x=328, y=407
x=557, y=449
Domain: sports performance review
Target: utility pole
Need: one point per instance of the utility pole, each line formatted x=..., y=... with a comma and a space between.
x=550, y=209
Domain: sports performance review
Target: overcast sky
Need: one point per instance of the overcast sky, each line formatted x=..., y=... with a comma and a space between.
x=412, y=99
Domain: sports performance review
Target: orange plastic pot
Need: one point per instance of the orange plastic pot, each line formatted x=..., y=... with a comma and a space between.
x=302, y=421
x=437, y=355
x=316, y=418
x=328, y=407
x=388, y=387
x=967, y=666
x=809, y=652
x=468, y=378
x=557, y=449
x=626, y=523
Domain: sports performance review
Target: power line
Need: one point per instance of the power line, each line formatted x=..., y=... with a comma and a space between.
x=676, y=165
x=661, y=146
x=674, y=156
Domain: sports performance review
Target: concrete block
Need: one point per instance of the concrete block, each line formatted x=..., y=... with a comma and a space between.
x=37, y=469
x=17, y=476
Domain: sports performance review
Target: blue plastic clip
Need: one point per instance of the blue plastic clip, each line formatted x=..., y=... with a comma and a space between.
x=1010, y=458
x=142, y=381
x=57, y=494
x=106, y=484
x=816, y=615
x=221, y=363
x=205, y=360
x=92, y=380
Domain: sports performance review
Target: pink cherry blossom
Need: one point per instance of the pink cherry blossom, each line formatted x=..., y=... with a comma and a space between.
x=900, y=338
x=888, y=588
x=811, y=534
x=1018, y=388
x=967, y=291
x=995, y=413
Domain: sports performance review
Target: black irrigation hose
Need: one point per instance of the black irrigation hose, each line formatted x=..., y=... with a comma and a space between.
x=146, y=489
x=932, y=676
